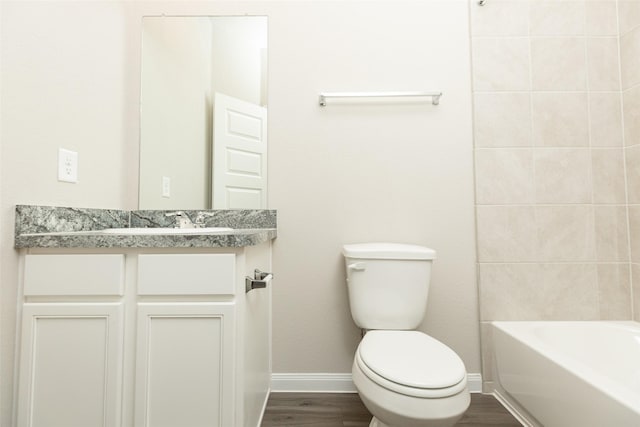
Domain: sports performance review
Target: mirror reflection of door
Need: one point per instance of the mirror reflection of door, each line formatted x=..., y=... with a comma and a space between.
x=185, y=62
x=240, y=154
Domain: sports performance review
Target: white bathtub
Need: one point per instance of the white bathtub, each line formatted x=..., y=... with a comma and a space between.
x=569, y=374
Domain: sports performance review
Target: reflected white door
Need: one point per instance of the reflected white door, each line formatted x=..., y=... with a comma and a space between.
x=239, y=154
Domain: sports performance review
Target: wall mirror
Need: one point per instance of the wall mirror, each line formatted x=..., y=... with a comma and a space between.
x=203, y=117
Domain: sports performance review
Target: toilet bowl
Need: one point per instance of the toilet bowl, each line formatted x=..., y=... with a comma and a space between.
x=409, y=379
x=404, y=377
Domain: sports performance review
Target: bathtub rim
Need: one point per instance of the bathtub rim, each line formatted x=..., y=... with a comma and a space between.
x=576, y=367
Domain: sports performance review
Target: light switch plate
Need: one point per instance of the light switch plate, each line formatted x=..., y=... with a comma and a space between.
x=67, y=165
x=166, y=186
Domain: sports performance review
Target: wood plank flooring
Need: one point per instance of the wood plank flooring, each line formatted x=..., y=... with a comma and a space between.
x=347, y=410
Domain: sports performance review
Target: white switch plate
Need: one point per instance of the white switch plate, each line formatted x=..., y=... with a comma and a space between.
x=166, y=186
x=67, y=165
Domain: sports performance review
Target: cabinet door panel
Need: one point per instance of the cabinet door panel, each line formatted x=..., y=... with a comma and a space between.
x=70, y=365
x=185, y=365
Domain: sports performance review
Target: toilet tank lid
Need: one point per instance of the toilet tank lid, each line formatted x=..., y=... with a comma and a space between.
x=387, y=251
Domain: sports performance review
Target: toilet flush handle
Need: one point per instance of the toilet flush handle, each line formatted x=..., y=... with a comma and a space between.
x=356, y=266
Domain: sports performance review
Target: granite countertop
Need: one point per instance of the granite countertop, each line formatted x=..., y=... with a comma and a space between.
x=59, y=227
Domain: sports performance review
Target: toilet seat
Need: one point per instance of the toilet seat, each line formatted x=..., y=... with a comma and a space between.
x=411, y=363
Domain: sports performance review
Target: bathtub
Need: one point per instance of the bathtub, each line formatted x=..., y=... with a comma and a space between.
x=569, y=374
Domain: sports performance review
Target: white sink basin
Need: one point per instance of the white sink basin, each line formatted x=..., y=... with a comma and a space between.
x=153, y=231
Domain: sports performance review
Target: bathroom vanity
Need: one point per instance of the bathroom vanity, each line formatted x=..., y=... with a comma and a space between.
x=143, y=329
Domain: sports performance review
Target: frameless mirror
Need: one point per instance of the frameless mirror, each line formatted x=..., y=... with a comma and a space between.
x=203, y=116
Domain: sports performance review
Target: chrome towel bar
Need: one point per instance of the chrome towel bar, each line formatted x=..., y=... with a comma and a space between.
x=435, y=96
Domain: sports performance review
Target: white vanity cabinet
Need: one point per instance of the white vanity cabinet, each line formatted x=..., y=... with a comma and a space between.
x=71, y=341
x=185, y=348
x=153, y=338
x=185, y=365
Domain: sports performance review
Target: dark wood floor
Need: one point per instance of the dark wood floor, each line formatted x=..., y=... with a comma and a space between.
x=346, y=410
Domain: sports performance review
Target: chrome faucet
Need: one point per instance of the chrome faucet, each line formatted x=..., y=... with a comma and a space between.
x=182, y=220
x=200, y=218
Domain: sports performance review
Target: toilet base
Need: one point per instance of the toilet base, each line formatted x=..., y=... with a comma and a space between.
x=408, y=411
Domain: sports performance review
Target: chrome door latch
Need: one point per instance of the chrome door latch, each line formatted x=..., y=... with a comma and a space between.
x=258, y=281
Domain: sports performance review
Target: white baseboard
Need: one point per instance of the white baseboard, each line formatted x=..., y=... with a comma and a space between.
x=310, y=383
x=335, y=383
x=474, y=381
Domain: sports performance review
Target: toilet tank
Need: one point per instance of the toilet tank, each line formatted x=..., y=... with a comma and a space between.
x=388, y=284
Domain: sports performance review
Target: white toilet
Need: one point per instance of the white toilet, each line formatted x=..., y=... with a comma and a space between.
x=404, y=377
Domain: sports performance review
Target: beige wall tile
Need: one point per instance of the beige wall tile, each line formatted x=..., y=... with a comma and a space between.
x=509, y=292
x=562, y=175
x=605, y=119
x=601, y=18
x=634, y=233
x=504, y=176
x=566, y=258
x=565, y=233
x=632, y=158
x=603, y=65
x=571, y=291
x=614, y=291
x=538, y=292
x=560, y=119
x=502, y=119
x=557, y=18
x=558, y=64
x=630, y=58
x=635, y=286
x=486, y=348
x=509, y=19
x=629, y=12
x=631, y=108
x=611, y=233
x=501, y=64
x=608, y=175
x=506, y=233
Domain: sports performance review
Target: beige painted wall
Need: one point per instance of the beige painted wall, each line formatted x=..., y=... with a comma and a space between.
x=339, y=174
x=366, y=172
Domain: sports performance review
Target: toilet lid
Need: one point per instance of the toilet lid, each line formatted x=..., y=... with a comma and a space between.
x=412, y=359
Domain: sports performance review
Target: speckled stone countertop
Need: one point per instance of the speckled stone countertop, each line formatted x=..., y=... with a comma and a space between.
x=63, y=227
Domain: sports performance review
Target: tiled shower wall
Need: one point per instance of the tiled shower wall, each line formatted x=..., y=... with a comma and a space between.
x=551, y=193
x=629, y=12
